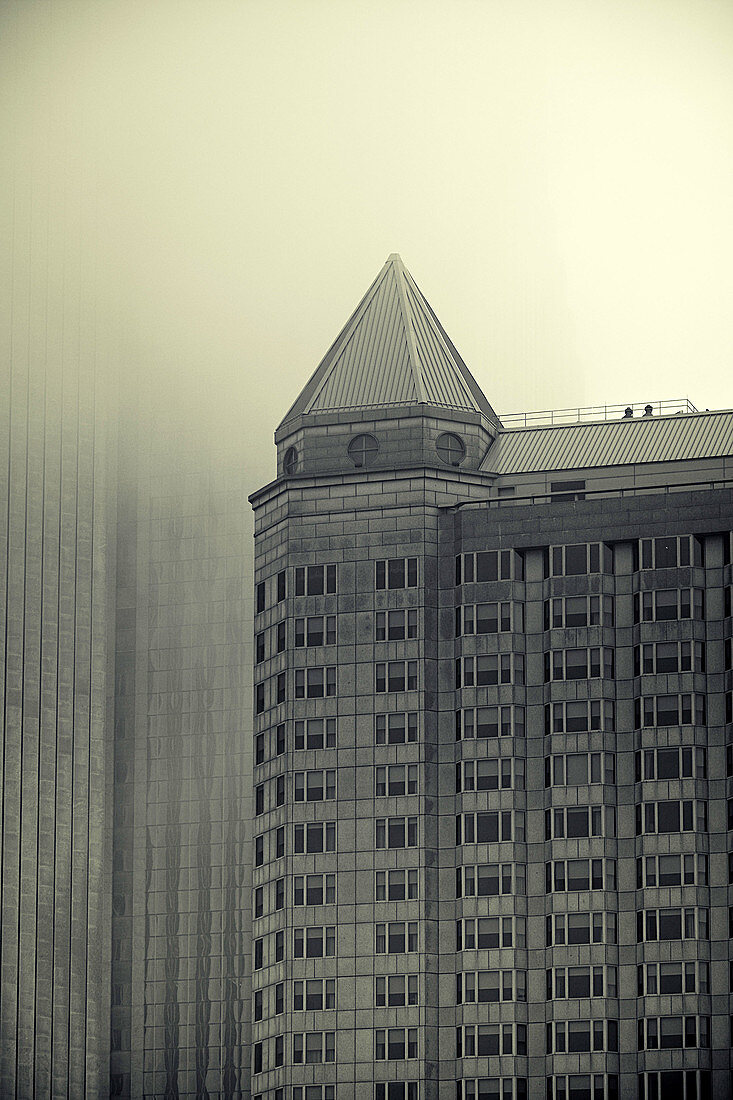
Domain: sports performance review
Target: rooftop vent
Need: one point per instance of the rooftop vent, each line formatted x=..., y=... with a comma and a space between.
x=628, y=412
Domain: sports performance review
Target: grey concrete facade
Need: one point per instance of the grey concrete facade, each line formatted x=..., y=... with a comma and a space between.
x=355, y=522
x=493, y=710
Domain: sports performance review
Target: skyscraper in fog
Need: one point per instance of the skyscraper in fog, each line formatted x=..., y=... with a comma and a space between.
x=126, y=746
x=493, y=705
x=493, y=735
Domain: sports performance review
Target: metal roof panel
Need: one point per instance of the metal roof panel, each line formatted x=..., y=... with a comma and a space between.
x=392, y=351
x=612, y=443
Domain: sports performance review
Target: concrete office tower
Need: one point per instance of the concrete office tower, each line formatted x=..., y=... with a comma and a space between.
x=493, y=695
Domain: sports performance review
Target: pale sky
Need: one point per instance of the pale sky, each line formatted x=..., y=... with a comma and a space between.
x=557, y=176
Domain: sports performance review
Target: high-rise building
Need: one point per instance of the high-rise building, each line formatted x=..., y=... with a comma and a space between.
x=125, y=748
x=493, y=705
x=493, y=749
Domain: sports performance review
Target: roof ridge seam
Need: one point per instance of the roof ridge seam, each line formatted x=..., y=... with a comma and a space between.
x=409, y=332
x=435, y=329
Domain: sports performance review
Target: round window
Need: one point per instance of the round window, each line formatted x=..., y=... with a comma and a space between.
x=363, y=450
x=451, y=448
x=290, y=462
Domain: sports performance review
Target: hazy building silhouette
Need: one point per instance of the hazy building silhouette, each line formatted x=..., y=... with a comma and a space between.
x=493, y=702
x=126, y=747
x=493, y=737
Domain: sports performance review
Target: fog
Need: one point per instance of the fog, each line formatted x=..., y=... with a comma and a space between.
x=203, y=192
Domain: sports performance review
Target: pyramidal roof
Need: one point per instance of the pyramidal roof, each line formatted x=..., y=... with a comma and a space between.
x=393, y=351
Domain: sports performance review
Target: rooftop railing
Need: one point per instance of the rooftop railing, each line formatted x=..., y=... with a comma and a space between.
x=587, y=494
x=596, y=412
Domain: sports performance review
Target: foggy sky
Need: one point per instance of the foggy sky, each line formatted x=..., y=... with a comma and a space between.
x=218, y=183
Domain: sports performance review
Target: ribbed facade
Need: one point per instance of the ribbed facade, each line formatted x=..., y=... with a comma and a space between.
x=182, y=850
x=54, y=898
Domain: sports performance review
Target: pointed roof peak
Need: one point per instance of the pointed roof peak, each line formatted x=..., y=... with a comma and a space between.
x=392, y=351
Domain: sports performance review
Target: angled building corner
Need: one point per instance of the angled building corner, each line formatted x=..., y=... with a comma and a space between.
x=493, y=699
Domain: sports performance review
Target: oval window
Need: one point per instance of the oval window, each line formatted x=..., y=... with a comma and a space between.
x=290, y=462
x=363, y=450
x=451, y=448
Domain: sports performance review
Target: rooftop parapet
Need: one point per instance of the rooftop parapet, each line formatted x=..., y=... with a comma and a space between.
x=596, y=413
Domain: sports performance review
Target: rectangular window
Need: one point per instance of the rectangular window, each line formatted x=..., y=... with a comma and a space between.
x=677, y=763
x=670, y=710
x=577, y=928
x=315, y=580
x=581, y=982
x=396, y=1090
x=489, y=722
x=580, y=769
x=671, y=817
x=567, y=490
x=490, y=826
x=579, y=664
x=315, y=683
x=565, y=611
x=395, y=991
x=395, y=676
x=315, y=837
x=396, y=729
x=490, y=879
x=671, y=924
x=582, y=1036
x=260, y=597
x=489, y=669
x=281, y=586
x=314, y=943
x=395, y=938
x=396, y=625
x=663, y=657
x=487, y=1040
x=487, y=986
x=490, y=618
x=669, y=552
x=579, y=716
x=395, y=1044
x=396, y=885
x=573, y=822
x=396, y=832
x=396, y=573
x=486, y=933
x=314, y=786
x=315, y=733
x=564, y=875
x=578, y=559
x=491, y=774
x=673, y=1032
x=314, y=889
x=395, y=779
x=316, y=630
x=663, y=605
